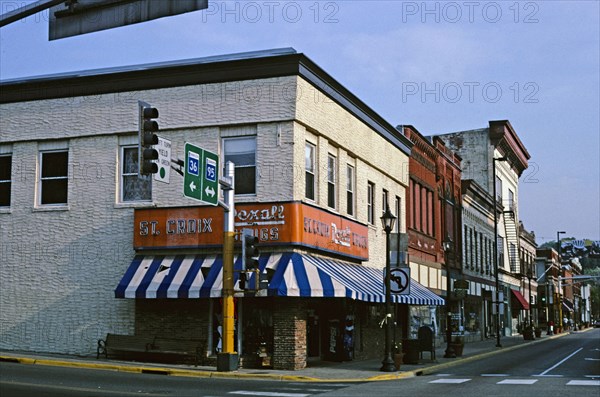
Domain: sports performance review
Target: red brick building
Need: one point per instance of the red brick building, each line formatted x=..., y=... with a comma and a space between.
x=433, y=214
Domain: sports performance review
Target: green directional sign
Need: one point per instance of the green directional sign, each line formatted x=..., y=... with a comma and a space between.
x=201, y=177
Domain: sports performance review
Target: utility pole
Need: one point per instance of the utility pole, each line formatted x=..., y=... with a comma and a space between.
x=227, y=360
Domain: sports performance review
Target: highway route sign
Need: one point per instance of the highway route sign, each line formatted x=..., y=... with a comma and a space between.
x=201, y=176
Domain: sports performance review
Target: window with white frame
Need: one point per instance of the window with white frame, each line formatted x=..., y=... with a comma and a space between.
x=498, y=189
x=54, y=177
x=371, y=203
x=310, y=167
x=132, y=186
x=241, y=151
x=384, y=200
x=511, y=199
x=331, y=181
x=398, y=208
x=350, y=190
x=5, y=179
x=500, y=251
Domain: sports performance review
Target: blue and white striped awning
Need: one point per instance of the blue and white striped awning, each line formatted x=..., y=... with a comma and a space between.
x=200, y=276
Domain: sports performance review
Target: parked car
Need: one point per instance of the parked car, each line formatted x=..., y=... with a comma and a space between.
x=597, y=323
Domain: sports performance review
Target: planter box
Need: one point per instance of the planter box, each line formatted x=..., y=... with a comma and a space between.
x=458, y=348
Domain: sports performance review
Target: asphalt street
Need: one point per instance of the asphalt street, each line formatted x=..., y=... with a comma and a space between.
x=565, y=366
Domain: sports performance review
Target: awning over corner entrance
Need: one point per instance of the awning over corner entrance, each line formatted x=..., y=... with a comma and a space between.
x=567, y=305
x=293, y=274
x=520, y=299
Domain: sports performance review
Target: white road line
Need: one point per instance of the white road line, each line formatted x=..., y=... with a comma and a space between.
x=443, y=375
x=301, y=389
x=495, y=375
x=517, y=382
x=592, y=376
x=583, y=383
x=268, y=393
x=451, y=380
x=592, y=359
x=561, y=361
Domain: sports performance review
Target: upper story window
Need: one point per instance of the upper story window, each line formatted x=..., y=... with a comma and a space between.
x=350, y=190
x=371, y=203
x=331, y=181
x=310, y=167
x=242, y=152
x=511, y=198
x=54, y=177
x=500, y=251
x=397, y=211
x=133, y=187
x=498, y=189
x=5, y=179
x=384, y=200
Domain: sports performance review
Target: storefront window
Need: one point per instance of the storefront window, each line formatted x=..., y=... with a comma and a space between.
x=257, y=323
x=420, y=316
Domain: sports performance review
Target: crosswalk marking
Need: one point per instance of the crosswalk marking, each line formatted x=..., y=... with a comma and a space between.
x=583, y=383
x=517, y=382
x=451, y=380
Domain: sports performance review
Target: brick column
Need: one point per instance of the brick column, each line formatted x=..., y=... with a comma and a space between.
x=289, y=327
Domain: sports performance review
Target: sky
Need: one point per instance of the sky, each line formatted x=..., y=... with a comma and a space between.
x=441, y=66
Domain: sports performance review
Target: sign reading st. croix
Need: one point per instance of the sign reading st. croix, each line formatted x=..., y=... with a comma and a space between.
x=201, y=177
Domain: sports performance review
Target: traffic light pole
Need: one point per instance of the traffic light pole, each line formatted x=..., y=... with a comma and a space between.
x=227, y=360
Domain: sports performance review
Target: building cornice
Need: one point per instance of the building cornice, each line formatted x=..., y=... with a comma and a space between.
x=506, y=140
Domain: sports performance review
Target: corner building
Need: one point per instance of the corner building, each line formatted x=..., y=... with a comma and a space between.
x=89, y=248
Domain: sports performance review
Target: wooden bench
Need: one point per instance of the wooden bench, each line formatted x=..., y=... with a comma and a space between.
x=172, y=348
x=128, y=346
x=123, y=345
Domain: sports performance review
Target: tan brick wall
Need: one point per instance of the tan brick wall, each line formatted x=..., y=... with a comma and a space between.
x=60, y=267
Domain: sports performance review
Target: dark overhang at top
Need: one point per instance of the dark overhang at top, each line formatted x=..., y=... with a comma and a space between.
x=215, y=69
x=506, y=140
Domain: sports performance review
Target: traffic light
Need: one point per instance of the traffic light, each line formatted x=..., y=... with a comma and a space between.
x=250, y=252
x=147, y=138
x=243, y=279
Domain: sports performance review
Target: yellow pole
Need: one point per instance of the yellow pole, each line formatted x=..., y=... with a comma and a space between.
x=228, y=305
x=227, y=359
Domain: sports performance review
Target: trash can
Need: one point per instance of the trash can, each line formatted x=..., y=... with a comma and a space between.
x=410, y=348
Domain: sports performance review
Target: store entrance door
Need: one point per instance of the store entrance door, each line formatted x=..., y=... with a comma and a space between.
x=313, y=336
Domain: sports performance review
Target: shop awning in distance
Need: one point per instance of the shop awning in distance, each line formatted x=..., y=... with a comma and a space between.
x=293, y=274
x=520, y=299
x=567, y=305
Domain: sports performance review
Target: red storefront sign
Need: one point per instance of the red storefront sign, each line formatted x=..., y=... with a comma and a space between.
x=291, y=223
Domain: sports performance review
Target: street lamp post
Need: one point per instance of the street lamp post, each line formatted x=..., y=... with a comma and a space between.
x=560, y=270
x=529, y=277
x=450, y=353
x=387, y=222
x=498, y=344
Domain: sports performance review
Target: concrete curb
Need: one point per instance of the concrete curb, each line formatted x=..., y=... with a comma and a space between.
x=235, y=374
